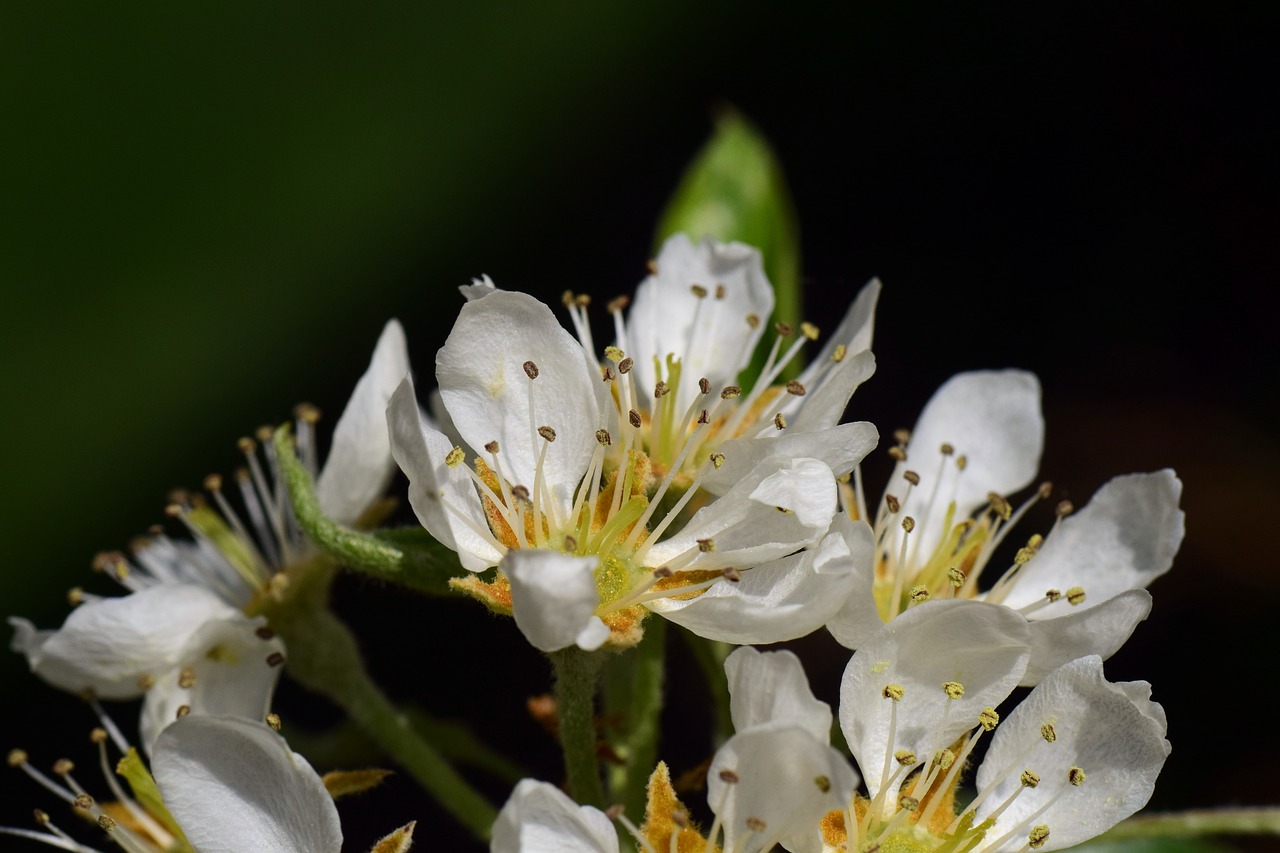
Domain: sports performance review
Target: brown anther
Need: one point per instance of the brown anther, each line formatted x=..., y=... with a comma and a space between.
x=17, y=757
x=566, y=299
x=146, y=682
x=454, y=457
x=547, y=432
x=680, y=818
x=823, y=783
x=42, y=817
x=661, y=389
x=717, y=459
x=908, y=523
x=704, y=385
x=618, y=303
x=75, y=596
x=624, y=366
x=706, y=546
x=275, y=659
x=1046, y=489
x=962, y=462
x=755, y=824
x=570, y=543
x=492, y=447
x=530, y=369
x=663, y=572
x=306, y=413
x=98, y=735
x=84, y=802
x=784, y=330
x=946, y=449
x=704, y=417
x=911, y=477
x=729, y=777
x=582, y=300
x=1001, y=506
x=809, y=330
x=729, y=392
x=634, y=417
x=698, y=291
x=1075, y=595
x=652, y=266
x=795, y=388
x=213, y=483
x=731, y=574
x=614, y=811
x=187, y=678
x=1063, y=509
x=897, y=454
x=273, y=720
x=1053, y=594
x=264, y=434
x=63, y=766
x=779, y=422
x=602, y=436
x=893, y=503
x=753, y=320
x=720, y=291
x=520, y=493
x=1075, y=776
x=105, y=823
x=183, y=710
x=246, y=445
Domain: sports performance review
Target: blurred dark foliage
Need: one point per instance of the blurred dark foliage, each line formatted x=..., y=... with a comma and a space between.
x=208, y=213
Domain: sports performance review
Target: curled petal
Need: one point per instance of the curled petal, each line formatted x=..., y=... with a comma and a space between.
x=554, y=599
x=359, y=467
x=540, y=817
x=1112, y=734
x=234, y=785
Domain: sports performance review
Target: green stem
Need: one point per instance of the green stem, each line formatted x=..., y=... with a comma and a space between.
x=1254, y=821
x=324, y=657
x=645, y=711
x=577, y=676
x=710, y=656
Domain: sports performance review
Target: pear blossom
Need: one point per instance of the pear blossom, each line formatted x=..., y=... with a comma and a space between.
x=597, y=488
x=215, y=784
x=946, y=510
x=182, y=636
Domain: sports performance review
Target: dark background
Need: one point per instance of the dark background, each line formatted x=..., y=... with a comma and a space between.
x=208, y=214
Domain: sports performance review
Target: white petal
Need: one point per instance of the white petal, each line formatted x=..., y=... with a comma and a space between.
x=540, y=818
x=746, y=524
x=710, y=336
x=823, y=405
x=478, y=287
x=1113, y=732
x=771, y=687
x=554, y=598
x=359, y=466
x=782, y=599
x=486, y=390
x=786, y=778
x=231, y=667
x=1125, y=538
x=234, y=785
x=107, y=645
x=858, y=618
x=982, y=646
x=840, y=448
x=854, y=333
x=991, y=417
x=1098, y=631
x=443, y=498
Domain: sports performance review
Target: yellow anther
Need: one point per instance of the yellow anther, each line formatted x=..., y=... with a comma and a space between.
x=717, y=459
x=63, y=766
x=1046, y=489
x=75, y=596
x=1075, y=776
x=1075, y=595
x=105, y=823
x=838, y=354
x=919, y=593
x=620, y=303
x=1029, y=779
x=17, y=757
x=273, y=720
x=905, y=757
x=566, y=299
x=1001, y=506
x=779, y=422
x=823, y=783
x=98, y=735
x=698, y=290
x=613, y=353
x=988, y=719
x=624, y=366
x=897, y=454
x=1048, y=732
x=146, y=682
x=84, y=802
x=908, y=523
x=42, y=817
x=893, y=691
x=547, y=432
x=947, y=449
x=602, y=436
x=809, y=330
x=183, y=710
x=944, y=758
x=729, y=392
x=962, y=462
x=902, y=435
x=908, y=804
x=1038, y=836
x=1063, y=509
x=953, y=689
x=454, y=457
x=530, y=369
x=187, y=678
x=795, y=388
x=955, y=577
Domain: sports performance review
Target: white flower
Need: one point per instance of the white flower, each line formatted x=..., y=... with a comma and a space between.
x=593, y=488
x=944, y=513
x=540, y=818
x=215, y=784
x=181, y=636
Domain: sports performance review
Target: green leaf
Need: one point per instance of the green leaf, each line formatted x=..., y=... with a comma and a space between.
x=409, y=557
x=735, y=190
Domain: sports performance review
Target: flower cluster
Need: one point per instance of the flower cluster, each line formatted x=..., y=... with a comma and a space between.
x=582, y=489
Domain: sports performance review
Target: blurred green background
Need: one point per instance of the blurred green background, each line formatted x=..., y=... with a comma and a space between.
x=209, y=213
